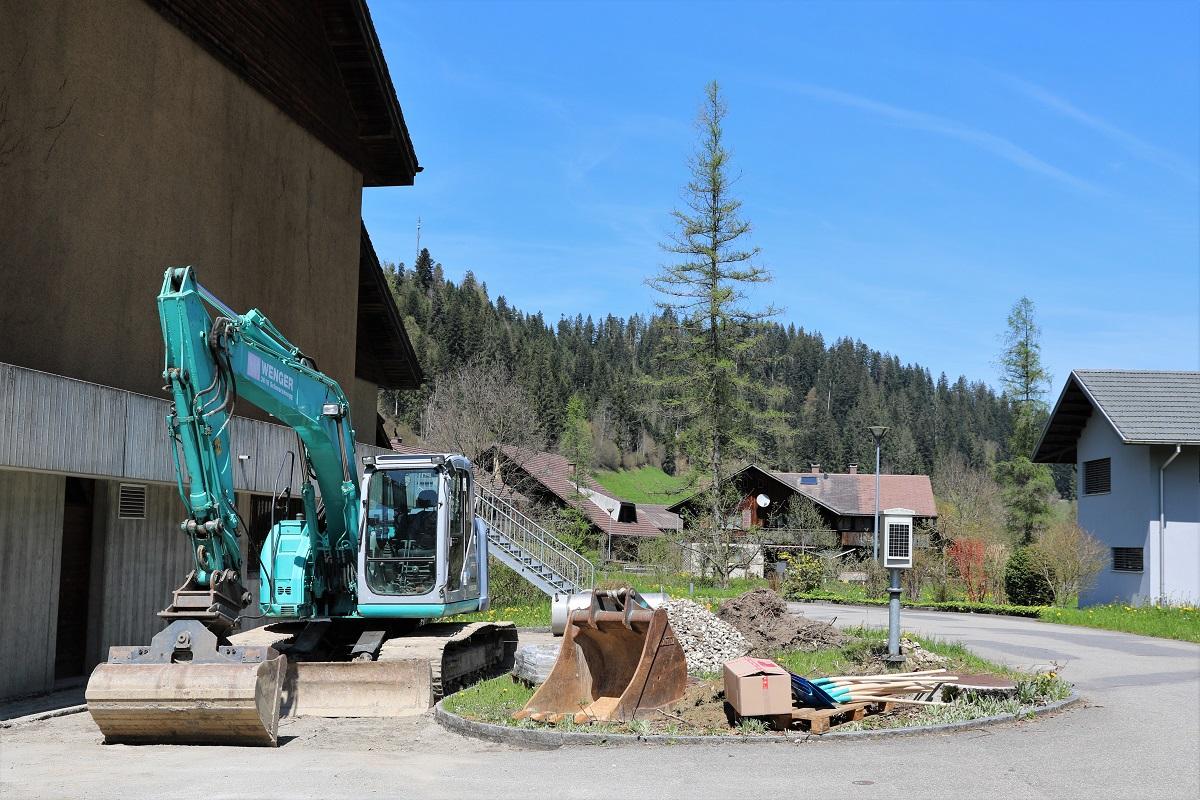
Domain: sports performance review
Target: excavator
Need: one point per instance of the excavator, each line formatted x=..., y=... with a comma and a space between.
x=352, y=587
x=346, y=584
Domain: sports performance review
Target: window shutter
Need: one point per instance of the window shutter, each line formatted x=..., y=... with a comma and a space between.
x=1097, y=476
x=1127, y=559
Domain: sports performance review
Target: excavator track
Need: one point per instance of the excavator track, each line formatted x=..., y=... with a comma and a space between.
x=458, y=654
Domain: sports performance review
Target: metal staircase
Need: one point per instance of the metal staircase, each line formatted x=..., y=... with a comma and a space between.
x=529, y=549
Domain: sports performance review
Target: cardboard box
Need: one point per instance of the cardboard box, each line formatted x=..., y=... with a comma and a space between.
x=757, y=687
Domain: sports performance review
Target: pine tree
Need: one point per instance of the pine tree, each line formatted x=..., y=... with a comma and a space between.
x=1027, y=487
x=707, y=385
x=424, y=269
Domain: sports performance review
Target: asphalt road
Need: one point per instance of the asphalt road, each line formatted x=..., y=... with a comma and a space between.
x=1136, y=736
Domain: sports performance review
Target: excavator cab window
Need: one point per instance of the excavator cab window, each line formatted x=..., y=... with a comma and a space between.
x=402, y=510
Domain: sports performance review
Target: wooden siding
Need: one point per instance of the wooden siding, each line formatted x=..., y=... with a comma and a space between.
x=31, y=512
x=144, y=561
x=50, y=423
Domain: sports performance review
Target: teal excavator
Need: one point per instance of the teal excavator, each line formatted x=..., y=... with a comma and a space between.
x=348, y=585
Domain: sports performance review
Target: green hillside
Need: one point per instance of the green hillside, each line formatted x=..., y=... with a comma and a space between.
x=644, y=485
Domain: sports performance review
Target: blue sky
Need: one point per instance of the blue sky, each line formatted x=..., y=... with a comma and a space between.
x=910, y=169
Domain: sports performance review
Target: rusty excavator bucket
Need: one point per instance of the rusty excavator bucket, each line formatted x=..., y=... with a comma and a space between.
x=619, y=661
x=187, y=688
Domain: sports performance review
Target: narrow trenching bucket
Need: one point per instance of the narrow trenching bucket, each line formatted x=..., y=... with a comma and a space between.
x=619, y=661
x=184, y=689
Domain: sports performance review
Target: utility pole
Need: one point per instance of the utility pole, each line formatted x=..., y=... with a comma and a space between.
x=877, y=431
x=418, y=240
x=894, y=655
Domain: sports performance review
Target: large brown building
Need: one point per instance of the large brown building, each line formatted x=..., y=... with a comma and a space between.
x=233, y=136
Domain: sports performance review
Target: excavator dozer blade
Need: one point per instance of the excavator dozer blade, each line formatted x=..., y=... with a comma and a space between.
x=619, y=661
x=154, y=696
x=357, y=688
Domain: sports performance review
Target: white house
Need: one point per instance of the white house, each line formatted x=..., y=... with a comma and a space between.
x=1134, y=437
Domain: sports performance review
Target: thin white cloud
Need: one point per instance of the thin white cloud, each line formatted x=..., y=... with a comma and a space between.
x=943, y=126
x=1135, y=145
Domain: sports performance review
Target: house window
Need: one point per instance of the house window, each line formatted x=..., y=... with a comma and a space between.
x=1127, y=559
x=1097, y=476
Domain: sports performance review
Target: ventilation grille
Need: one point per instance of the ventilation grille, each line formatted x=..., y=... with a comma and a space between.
x=1127, y=559
x=1097, y=476
x=132, y=501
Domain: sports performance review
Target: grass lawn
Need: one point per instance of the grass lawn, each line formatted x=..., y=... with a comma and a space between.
x=643, y=485
x=1177, y=622
x=1173, y=622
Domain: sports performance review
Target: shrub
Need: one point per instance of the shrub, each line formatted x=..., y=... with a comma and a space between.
x=805, y=573
x=1023, y=584
x=877, y=578
x=967, y=557
x=1068, y=559
x=507, y=588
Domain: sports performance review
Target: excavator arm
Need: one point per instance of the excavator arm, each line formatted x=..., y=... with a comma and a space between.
x=191, y=684
x=213, y=361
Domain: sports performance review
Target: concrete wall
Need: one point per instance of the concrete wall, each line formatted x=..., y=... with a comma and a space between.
x=1128, y=516
x=144, y=561
x=1181, y=489
x=31, y=516
x=132, y=149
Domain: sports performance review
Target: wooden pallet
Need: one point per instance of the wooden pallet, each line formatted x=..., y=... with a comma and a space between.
x=819, y=719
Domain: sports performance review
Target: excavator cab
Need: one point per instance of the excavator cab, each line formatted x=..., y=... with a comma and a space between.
x=421, y=553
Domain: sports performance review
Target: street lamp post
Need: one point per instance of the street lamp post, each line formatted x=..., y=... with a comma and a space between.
x=877, y=431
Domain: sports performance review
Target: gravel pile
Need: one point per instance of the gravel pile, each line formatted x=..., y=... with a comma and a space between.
x=707, y=641
x=762, y=617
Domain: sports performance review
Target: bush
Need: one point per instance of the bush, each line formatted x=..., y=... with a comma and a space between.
x=507, y=588
x=1023, y=584
x=805, y=573
x=877, y=578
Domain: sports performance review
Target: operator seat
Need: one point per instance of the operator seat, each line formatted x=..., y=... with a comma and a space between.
x=422, y=523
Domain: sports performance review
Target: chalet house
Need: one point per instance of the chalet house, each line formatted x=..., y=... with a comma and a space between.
x=846, y=501
x=136, y=135
x=1134, y=438
x=535, y=477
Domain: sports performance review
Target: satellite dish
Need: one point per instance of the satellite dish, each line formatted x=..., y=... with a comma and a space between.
x=763, y=501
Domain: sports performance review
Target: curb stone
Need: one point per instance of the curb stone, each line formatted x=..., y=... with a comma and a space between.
x=549, y=739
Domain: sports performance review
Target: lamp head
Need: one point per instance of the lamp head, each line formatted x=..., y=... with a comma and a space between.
x=878, y=431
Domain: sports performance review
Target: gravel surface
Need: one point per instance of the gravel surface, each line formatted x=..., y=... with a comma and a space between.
x=707, y=641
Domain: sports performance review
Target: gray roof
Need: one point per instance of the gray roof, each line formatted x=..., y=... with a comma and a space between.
x=1143, y=407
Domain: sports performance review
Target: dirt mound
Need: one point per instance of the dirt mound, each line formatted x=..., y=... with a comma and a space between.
x=763, y=618
x=701, y=709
